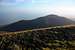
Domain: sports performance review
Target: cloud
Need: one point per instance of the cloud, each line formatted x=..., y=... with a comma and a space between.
x=20, y=0
x=11, y=1
x=7, y=1
x=40, y=1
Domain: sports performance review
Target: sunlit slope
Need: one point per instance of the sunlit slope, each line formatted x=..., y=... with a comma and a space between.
x=59, y=37
x=31, y=30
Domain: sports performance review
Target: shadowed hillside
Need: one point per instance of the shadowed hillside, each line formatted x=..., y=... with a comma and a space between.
x=42, y=22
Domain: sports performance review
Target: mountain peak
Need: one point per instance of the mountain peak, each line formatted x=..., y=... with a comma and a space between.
x=42, y=22
x=52, y=15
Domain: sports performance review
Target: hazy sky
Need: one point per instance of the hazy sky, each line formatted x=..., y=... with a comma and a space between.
x=14, y=10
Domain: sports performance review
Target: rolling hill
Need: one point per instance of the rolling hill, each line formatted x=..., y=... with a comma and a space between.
x=42, y=22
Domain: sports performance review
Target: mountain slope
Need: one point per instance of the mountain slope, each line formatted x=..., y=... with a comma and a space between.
x=46, y=21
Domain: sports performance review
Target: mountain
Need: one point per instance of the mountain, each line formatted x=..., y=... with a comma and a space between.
x=42, y=22
x=73, y=19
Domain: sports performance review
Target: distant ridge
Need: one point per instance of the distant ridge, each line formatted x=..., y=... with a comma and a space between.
x=42, y=22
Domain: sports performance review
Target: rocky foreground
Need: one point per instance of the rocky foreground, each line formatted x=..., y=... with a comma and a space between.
x=58, y=38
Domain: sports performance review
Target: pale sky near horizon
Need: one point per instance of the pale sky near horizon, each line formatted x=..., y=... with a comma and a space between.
x=14, y=10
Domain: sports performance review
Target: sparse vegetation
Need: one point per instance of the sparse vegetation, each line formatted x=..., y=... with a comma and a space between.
x=48, y=39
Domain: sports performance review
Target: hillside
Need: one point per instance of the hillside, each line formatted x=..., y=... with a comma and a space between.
x=42, y=22
x=42, y=39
